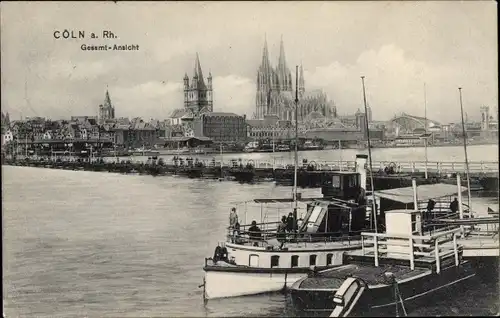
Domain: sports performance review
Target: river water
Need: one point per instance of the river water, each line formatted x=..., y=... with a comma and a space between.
x=94, y=244
x=476, y=153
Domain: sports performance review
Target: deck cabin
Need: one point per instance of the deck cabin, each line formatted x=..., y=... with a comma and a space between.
x=418, y=197
x=330, y=226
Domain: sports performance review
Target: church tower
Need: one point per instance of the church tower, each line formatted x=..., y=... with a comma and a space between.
x=107, y=110
x=265, y=81
x=198, y=96
x=284, y=75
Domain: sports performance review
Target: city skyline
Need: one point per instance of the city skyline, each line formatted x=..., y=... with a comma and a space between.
x=397, y=46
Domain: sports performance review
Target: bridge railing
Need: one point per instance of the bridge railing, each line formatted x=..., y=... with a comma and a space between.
x=440, y=167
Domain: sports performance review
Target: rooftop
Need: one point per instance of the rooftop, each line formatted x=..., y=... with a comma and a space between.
x=424, y=192
x=221, y=114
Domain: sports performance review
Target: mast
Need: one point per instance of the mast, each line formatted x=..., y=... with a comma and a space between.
x=26, y=101
x=296, y=147
x=340, y=149
x=425, y=126
x=273, y=127
x=221, y=162
x=465, y=150
x=374, y=210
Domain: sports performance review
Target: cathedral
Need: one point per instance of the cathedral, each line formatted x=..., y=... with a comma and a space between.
x=276, y=93
x=198, y=96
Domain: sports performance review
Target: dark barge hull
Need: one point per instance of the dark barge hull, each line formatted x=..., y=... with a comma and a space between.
x=243, y=175
x=380, y=301
x=489, y=183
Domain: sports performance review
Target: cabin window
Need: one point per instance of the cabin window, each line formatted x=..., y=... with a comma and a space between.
x=275, y=261
x=312, y=260
x=352, y=181
x=336, y=181
x=253, y=260
x=329, y=259
x=413, y=223
x=295, y=260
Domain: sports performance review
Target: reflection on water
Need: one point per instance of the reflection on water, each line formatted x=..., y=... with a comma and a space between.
x=108, y=245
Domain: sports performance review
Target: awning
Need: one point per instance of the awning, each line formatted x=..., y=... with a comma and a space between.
x=424, y=192
x=281, y=200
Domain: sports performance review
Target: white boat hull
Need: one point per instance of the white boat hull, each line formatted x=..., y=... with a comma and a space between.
x=221, y=284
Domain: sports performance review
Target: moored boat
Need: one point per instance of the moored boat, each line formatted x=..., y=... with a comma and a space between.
x=246, y=265
x=405, y=264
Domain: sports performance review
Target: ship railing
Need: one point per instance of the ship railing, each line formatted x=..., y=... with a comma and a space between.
x=268, y=235
x=483, y=228
x=412, y=247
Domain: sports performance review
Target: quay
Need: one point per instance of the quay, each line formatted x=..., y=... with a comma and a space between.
x=483, y=175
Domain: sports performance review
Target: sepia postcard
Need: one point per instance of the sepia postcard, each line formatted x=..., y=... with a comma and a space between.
x=249, y=159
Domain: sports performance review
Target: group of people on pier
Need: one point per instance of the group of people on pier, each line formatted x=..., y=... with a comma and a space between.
x=190, y=162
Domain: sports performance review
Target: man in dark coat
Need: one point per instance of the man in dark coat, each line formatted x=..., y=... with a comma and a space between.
x=254, y=232
x=454, y=206
x=289, y=222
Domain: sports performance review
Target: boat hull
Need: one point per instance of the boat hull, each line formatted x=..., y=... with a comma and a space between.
x=224, y=284
x=379, y=300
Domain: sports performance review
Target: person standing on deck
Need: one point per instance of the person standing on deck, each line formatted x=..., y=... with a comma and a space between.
x=233, y=218
x=430, y=206
x=454, y=206
x=289, y=222
x=254, y=233
x=281, y=231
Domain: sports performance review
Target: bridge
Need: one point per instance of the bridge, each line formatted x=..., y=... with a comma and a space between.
x=435, y=167
x=408, y=123
x=92, y=141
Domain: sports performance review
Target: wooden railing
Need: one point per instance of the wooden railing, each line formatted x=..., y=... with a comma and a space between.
x=439, y=167
x=413, y=246
x=243, y=236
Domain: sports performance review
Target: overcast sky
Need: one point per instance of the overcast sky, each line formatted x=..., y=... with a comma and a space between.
x=397, y=45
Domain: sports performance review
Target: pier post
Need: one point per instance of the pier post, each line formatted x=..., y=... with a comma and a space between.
x=455, y=248
x=375, y=249
x=413, y=167
x=436, y=251
x=412, y=256
x=460, y=205
x=415, y=196
x=362, y=245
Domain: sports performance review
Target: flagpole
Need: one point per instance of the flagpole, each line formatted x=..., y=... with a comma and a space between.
x=425, y=126
x=296, y=148
x=465, y=150
x=340, y=149
x=374, y=211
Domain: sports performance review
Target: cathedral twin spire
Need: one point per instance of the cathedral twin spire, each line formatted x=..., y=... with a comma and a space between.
x=281, y=77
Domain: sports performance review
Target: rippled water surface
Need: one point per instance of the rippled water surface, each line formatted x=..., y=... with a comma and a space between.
x=96, y=244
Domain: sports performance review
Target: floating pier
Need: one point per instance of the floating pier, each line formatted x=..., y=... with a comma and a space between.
x=484, y=175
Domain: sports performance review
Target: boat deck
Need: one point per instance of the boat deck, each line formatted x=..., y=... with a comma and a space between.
x=333, y=278
x=274, y=245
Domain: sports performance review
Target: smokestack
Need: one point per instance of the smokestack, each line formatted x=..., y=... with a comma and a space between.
x=361, y=169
